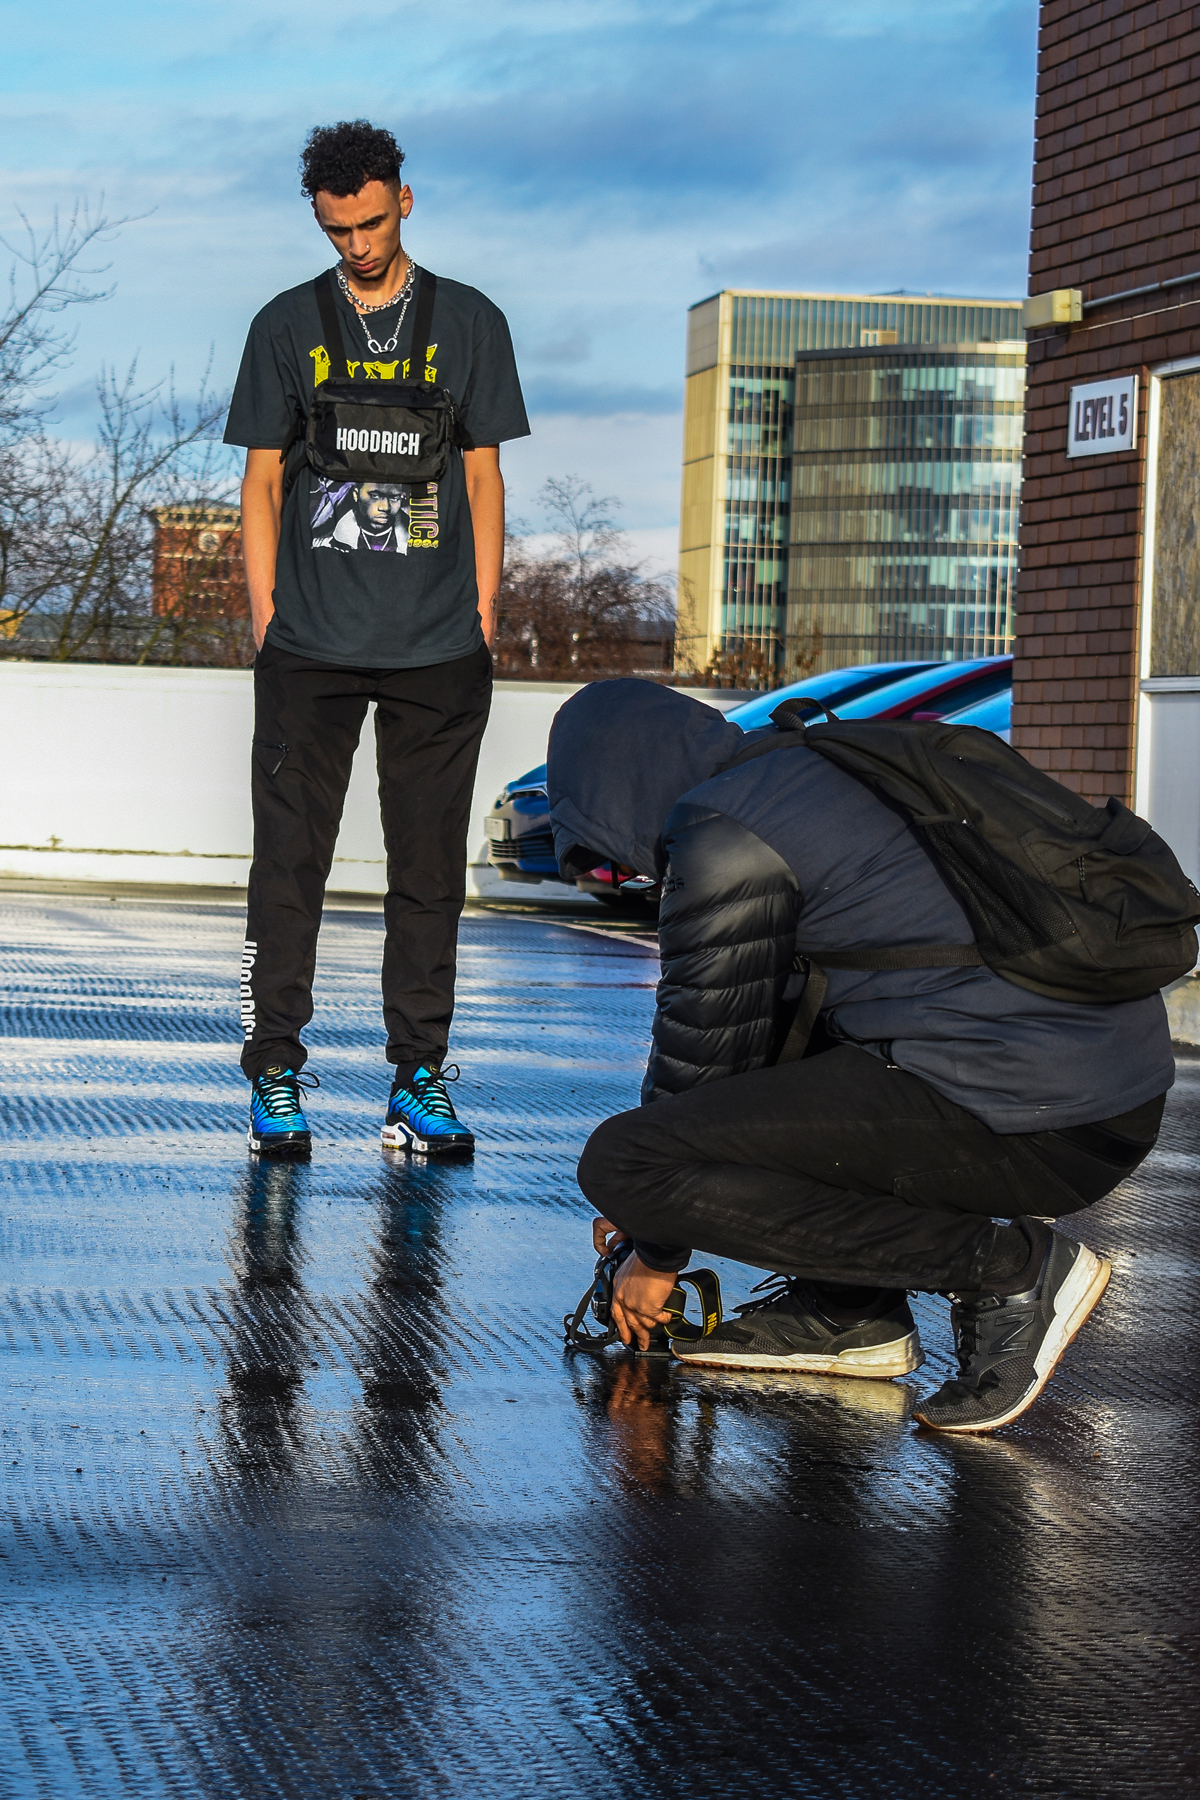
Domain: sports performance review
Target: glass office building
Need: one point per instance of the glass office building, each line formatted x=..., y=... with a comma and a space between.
x=850, y=478
x=906, y=471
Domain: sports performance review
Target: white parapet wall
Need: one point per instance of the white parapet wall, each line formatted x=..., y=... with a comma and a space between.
x=143, y=775
x=121, y=775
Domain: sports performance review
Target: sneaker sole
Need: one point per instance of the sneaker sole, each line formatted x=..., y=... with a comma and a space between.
x=877, y=1362
x=293, y=1152
x=1074, y=1304
x=395, y=1137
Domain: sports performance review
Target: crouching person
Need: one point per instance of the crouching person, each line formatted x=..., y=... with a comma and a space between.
x=939, y=1121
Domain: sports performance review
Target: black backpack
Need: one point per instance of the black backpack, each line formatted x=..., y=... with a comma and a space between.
x=378, y=429
x=1076, y=902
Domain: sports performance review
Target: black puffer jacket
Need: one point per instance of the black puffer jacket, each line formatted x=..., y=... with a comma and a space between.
x=727, y=938
x=762, y=855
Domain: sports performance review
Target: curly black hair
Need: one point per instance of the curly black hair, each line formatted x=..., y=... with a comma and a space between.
x=340, y=159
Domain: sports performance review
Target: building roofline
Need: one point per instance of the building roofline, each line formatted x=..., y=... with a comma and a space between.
x=897, y=298
x=987, y=347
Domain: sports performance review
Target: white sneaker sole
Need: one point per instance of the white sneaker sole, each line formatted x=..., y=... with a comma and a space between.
x=396, y=1137
x=1073, y=1306
x=878, y=1362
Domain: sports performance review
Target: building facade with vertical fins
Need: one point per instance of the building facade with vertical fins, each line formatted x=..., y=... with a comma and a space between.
x=851, y=474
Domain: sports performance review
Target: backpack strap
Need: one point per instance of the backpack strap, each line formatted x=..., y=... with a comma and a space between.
x=811, y=1001
x=914, y=956
x=789, y=728
x=335, y=350
x=790, y=734
x=331, y=325
x=422, y=324
x=907, y=956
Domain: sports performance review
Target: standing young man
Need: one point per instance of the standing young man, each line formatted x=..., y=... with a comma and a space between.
x=368, y=581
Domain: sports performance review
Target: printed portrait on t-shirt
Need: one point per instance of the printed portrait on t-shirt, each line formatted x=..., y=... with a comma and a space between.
x=360, y=515
x=374, y=515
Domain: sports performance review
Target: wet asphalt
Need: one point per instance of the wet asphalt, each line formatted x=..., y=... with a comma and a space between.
x=302, y=1496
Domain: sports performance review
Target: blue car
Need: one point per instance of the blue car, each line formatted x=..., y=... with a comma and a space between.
x=521, y=844
x=837, y=686
x=936, y=693
x=520, y=841
x=990, y=715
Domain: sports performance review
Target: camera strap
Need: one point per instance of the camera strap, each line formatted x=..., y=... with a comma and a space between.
x=704, y=1283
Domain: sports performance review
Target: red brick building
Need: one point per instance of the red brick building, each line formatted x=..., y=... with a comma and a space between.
x=198, y=570
x=1108, y=633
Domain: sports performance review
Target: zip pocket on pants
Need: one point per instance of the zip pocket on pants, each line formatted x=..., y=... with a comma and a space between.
x=271, y=756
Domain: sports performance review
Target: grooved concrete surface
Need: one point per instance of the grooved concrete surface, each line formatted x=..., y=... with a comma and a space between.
x=303, y=1499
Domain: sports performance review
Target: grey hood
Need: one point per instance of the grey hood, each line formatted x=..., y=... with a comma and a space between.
x=621, y=754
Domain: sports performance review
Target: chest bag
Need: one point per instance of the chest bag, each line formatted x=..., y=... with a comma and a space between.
x=1077, y=902
x=376, y=429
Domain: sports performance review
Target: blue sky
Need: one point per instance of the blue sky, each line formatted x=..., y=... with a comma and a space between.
x=595, y=168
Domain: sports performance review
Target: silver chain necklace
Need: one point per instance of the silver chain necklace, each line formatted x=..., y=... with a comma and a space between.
x=403, y=294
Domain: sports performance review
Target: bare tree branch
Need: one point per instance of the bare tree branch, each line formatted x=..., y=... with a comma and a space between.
x=78, y=546
x=585, y=609
x=47, y=276
x=77, y=526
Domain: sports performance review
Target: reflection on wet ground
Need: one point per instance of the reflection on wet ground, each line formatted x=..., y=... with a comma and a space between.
x=304, y=1499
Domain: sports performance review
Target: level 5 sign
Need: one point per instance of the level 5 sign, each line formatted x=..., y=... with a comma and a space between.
x=1103, y=417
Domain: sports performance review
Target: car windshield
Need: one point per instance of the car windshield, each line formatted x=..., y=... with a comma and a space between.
x=992, y=714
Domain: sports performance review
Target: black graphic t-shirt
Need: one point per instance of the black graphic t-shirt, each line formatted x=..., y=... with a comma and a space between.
x=376, y=574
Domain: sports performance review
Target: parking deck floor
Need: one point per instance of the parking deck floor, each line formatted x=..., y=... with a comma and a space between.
x=303, y=1497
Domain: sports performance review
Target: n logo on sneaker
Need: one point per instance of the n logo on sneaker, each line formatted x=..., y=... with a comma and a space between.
x=1015, y=1338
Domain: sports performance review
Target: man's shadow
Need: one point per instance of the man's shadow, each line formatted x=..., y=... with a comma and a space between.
x=275, y=1331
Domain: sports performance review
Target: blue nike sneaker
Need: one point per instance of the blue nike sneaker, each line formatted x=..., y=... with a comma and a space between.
x=421, y=1117
x=278, y=1126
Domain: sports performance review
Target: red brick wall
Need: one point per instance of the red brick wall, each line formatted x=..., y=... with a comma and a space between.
x=196, y=581
x=1116, y=205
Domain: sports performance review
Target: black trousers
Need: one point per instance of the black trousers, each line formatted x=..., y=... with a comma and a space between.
x=307, y=721
x=841, y=1169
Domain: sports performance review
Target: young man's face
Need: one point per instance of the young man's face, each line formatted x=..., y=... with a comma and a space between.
x=364, y=228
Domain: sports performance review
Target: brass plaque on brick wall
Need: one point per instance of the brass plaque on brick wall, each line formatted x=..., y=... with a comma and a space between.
x=1175, y=612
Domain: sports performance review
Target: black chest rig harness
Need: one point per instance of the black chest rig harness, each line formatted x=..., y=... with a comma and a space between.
x=380, y=429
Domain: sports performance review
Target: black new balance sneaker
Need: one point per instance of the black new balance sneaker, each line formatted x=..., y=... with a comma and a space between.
x=791, y=1327
x=1009, y=1345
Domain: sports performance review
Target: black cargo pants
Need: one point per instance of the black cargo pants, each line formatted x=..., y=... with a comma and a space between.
x=307, y=721
x=840, y=1168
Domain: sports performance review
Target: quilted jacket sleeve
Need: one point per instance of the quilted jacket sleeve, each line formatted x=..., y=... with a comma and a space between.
x=727, y=937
